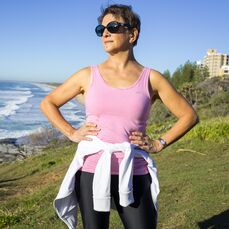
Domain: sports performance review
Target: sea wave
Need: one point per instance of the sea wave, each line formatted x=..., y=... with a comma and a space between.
x=19, y=109
x=74, y=116
x=12, y=100
x=44, y=87
x=15, y=133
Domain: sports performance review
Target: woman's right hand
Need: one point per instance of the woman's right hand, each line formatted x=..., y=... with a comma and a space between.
x=80, y=134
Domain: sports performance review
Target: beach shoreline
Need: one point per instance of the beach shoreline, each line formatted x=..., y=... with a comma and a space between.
x=17, y=144
x=19, y=148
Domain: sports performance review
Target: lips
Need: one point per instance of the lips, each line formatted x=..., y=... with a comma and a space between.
x=105, y=42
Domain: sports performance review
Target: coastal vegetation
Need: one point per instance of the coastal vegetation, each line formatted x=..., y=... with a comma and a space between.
x=193, y=172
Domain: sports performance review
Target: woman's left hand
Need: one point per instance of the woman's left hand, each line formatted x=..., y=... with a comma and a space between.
x=145, y=143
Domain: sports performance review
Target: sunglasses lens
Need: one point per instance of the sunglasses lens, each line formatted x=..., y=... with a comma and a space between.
x=99, y=30
x=113, y=27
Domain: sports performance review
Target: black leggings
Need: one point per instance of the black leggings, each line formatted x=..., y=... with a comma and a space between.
x=139, y=215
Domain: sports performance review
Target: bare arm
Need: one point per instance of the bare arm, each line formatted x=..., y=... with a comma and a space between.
x=73, y=86
x=177, y=104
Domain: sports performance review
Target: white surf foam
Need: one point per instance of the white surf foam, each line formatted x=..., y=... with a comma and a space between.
x=44, y=87
x=12, y=100
x=15, y=133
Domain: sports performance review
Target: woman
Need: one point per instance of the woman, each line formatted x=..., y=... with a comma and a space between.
x=118, y=96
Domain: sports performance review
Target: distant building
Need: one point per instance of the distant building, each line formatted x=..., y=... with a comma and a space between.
x=217, y=63
x=224, y=70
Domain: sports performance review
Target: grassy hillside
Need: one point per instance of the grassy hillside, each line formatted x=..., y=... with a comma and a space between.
x=193, y=173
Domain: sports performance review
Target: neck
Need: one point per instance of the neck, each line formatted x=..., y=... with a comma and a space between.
x=121, y=59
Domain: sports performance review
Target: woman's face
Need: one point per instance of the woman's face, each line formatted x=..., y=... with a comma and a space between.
x=115, y=42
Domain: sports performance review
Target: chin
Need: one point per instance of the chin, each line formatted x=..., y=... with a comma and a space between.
x=110, y=50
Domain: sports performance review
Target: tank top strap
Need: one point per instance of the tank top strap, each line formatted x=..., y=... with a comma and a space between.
x=94, y=75
x=145, y=80
x=142, y=82
x=96, y=78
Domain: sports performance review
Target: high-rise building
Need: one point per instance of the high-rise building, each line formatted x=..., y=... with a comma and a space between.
x=217, y=63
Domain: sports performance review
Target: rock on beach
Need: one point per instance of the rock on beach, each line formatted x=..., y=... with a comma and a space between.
x=11, y=150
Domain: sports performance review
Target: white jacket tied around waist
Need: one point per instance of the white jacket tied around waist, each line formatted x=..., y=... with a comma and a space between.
x=66, y=204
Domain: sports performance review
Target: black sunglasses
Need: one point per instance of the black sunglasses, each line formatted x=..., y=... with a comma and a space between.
x=112, y=27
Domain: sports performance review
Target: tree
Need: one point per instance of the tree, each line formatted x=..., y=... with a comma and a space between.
x=177, y=77
x=167, y=74
x=189, y=73
x=201, y=73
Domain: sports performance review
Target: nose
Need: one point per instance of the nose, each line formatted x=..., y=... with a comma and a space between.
x=106, y=33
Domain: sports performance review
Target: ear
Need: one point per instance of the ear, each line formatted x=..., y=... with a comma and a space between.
x=133, y=35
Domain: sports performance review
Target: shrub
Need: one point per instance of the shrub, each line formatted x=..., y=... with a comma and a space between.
x=216, y=129
x=8, y=220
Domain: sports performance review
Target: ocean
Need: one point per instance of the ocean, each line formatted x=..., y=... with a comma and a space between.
x=19, y=109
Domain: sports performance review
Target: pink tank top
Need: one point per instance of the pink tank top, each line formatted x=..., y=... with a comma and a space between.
x=117, y=112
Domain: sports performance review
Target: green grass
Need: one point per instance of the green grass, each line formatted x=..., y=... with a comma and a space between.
x=193, y=175
x=194, y=178
x=214, y=129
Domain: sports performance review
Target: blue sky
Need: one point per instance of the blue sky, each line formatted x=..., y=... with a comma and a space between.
x=49, y=40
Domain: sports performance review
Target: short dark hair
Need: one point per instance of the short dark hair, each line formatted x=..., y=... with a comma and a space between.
x=126, y=13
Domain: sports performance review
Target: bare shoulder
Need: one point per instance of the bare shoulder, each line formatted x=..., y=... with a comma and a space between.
x=81, y=77
x=76, y=84
x=84, y=72
x=158, y=80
